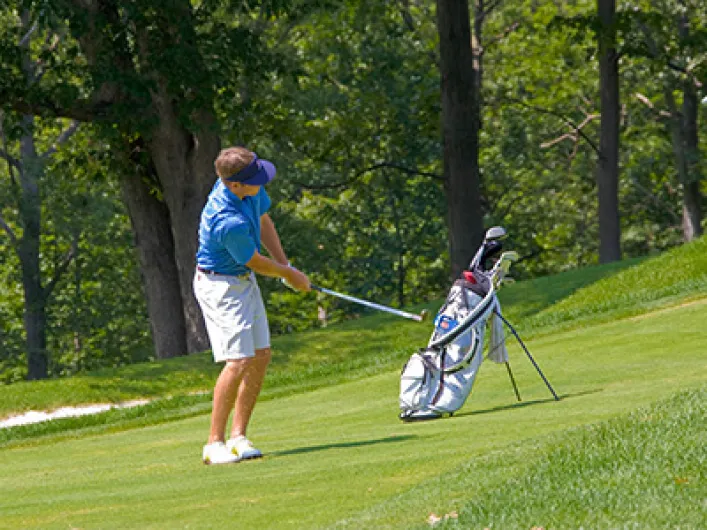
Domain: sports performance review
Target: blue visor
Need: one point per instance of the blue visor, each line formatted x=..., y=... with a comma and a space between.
x=257, y=173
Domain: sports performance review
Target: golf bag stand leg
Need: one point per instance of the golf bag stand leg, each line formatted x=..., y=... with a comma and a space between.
x=520, y=341
x=513, y=380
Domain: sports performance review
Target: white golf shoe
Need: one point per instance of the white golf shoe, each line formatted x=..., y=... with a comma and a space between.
x=218, y=453
x=243, y=448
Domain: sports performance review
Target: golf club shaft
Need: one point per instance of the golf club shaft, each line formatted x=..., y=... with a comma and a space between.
x=373, y=305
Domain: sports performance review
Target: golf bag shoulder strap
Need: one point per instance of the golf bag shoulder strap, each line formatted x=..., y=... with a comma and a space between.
x=478, y=312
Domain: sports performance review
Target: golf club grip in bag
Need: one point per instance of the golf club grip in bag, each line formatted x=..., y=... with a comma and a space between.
x=438, y=379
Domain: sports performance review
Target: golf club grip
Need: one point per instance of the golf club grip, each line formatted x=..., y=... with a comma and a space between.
x=373, y=305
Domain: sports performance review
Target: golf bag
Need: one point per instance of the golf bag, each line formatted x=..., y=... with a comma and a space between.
x=437, y=380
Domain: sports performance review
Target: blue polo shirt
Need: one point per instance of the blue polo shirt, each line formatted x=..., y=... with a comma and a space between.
x=229, y=231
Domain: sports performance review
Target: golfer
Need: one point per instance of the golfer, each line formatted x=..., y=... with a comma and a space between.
x=233, y=225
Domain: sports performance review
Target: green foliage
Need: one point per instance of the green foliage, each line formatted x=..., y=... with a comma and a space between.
x=96, y=314
x=344, y=97
x=353, y=121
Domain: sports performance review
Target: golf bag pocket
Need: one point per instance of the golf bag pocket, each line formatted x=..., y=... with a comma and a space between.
x=418, y=380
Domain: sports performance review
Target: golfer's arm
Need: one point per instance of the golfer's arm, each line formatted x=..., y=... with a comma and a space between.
x=271, y=240
x=267, y=267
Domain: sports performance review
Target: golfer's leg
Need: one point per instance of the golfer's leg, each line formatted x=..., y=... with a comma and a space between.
x=224, y=395
x=249, y=389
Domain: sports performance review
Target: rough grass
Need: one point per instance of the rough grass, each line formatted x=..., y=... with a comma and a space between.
x=643, y=470
x=674, y=276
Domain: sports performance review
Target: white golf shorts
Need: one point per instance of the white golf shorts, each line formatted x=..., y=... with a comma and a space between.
x=234, y=313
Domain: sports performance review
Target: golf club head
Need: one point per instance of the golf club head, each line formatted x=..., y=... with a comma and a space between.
x=509, y=255
x=489, y=252
x=495, y=233
x=490, y=246
x=506, y=259
x=503, y=265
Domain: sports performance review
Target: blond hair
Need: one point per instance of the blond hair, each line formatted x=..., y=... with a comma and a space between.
x=231, y=160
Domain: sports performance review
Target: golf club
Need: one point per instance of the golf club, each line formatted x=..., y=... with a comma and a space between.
x=491, y=242
x=416, y=317
x=502, y=266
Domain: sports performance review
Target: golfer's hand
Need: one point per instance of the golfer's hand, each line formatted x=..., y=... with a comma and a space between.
x=297, y=280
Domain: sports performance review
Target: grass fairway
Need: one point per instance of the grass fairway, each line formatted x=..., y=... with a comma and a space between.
x=338, y=457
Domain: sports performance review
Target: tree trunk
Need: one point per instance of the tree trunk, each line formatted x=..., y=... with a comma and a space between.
x=477, y=52
x=685, y=150
x=691, y=195
x=150, y=221
x=691, y=211
x=35, y=322
x=184, y=164
x=28, y=251
x=460, y=120
x=608, y=167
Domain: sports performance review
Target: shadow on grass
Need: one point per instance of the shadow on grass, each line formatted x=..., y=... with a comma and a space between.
x=519, y=405
x=344, y=445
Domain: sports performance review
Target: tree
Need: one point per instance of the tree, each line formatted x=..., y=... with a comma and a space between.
x=460, y=125
x=149, y=73
x=354, y=127
x=608, y=167
x=26, y=171
x=149, y=216
x=674, y=41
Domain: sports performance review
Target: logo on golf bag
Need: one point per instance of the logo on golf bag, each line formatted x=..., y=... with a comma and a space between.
x=445, y=323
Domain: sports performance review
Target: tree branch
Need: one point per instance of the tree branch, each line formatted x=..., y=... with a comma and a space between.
x=11, y=160
x=346, y=182
x=9, y=231
x=573, y=136
x=51, y=43
x=61, y=269
x=81, y=110
x=24, y=41
x=564, y=118
x=493, y=4
x=404, y=169
x=654, y=53
x=94, y=43
x=61, y=139
x=5, y=151
x=409, y=23
x=500, y=36
x=648, y=103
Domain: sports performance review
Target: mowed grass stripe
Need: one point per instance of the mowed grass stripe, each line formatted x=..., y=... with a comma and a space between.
x=335, y=452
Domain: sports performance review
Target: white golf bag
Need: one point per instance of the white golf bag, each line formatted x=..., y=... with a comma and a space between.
x=437, y=380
